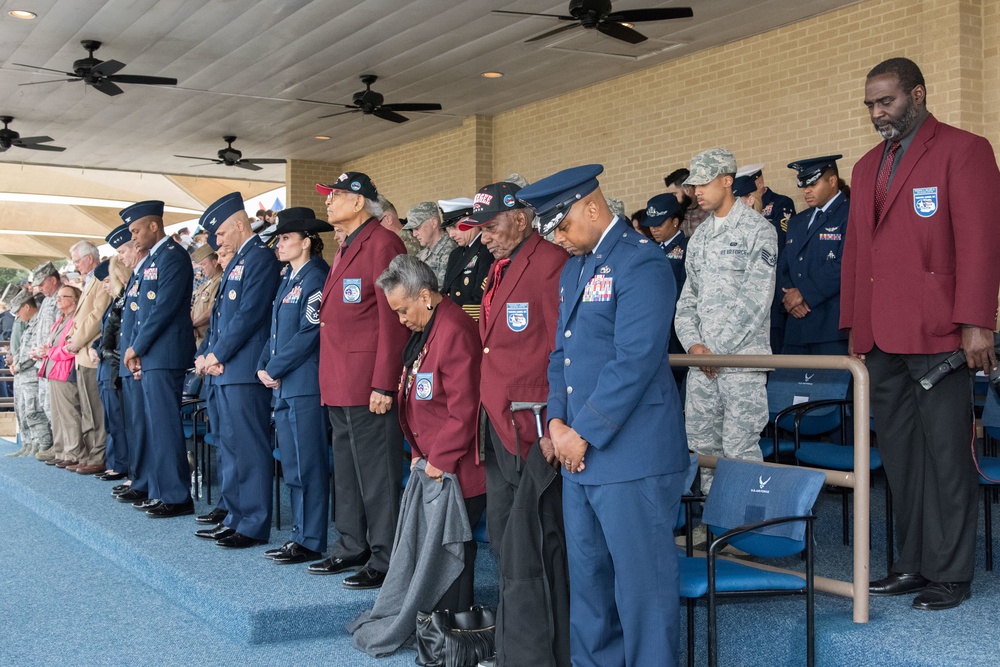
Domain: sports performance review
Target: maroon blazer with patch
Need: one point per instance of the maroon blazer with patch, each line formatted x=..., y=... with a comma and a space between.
x=360, y=337
x=516, y=352
x=438, y=401
x=932, y=263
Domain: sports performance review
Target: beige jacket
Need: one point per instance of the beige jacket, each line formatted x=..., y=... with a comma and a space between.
x=87, y=320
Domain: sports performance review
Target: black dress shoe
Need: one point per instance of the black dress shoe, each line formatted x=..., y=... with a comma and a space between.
x=215, y=532
x=215, y=516
x=367, y=578
x=120, y=488
x=296, y=554
x=148, y=504
x=167, y=510
x=237, y=541
x=897, y=584
x=111, y=476
x=271, y=553
x=946, y=595
x=131, y=496
x=337, y=565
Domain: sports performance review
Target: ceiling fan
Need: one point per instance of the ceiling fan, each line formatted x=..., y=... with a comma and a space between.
x=101, y=75
x=370, y=103
x=10, y=138
x=591, y=14
x=231, y=157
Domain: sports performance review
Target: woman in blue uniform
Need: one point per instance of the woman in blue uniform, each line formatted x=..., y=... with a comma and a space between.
x=289, y=365
x=114, y=274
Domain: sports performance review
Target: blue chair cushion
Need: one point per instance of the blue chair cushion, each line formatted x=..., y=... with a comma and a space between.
x=833, y=456
x=784, y=446
x=990, y=465
x=731, y=577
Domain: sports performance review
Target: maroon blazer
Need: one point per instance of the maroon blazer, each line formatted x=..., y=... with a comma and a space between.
x=360, y=337
x=931, y=266
x=439, y=399
x=516, y=351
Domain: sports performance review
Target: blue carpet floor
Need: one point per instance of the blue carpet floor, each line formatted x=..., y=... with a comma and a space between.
x=88, y=581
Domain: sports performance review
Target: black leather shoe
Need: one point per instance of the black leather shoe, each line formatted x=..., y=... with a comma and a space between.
x=897, y=584
x=946, y=595
x=271, y=553
x=215, y=532
x=215, y=516
x=337, y=565
x=167, y=510
x=111, y=476
x=365, y=579
x=296, y=554
x=147, y=504
x=237, y=541
x=120, y=488
x=131, y=496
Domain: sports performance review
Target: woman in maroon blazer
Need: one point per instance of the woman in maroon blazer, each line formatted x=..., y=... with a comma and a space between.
x=439, y=394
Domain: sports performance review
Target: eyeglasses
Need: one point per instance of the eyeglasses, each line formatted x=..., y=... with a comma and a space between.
x=336, y=193
x=65, y=296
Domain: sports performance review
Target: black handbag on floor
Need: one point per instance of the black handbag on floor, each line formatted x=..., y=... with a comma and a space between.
x=455, y=639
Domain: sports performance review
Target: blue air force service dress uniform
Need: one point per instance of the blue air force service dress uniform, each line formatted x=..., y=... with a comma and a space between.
x=237, y=335
x=164, y=342
x=108, y=382
x=810, y=262
x=610, y=380
x=132, y=402
x=291, y=356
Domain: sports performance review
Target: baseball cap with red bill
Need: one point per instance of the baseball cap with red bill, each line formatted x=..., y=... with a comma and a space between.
x=491, y=201
x=350, y=181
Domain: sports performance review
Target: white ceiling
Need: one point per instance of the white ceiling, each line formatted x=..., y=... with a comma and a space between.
x=241, y=64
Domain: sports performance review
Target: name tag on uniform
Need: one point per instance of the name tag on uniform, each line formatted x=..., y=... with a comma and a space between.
x=352, y=290
x=149, y=274
x=830, y=237
x=293, y=295
x=598, y=289
x=423, y=387
x=236, y=273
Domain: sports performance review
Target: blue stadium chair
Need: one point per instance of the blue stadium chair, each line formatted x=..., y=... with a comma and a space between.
x=787, y=387
x=989, y=467
x=765, y=511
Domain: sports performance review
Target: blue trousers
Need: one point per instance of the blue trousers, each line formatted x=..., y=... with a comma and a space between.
x=624, y=591
x=246, y=467
x=169, y=472
x=301, y=423
x=212, y=403
x=135, y=428
x=116, y=452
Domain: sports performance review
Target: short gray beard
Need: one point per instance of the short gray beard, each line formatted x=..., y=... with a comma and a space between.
x=893, y=130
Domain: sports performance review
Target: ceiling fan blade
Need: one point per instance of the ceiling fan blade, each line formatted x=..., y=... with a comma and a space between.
x=203, y=164
x=386, y=114
x=107, y=68
x=40, y=147
x=618, y=31
x=147, y=80
x=23, y=141
x=562, y=28
x=411, y=107
x=193, y=157
x=339, y=113
x=265, y=160
x=36, y=83
x=640, y=15
x=46, y=69
x=329, y=104
x=107, y=87
x=246, y=164
x=548, y=16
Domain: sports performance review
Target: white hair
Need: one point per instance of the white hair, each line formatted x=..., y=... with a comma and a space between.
x=85, y=248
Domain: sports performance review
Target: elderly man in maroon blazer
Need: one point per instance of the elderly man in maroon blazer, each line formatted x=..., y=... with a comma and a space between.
x=919, y=280
x=517, y=324
x=360, y=359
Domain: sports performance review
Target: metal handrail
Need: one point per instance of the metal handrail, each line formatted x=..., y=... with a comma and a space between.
x=857, y=480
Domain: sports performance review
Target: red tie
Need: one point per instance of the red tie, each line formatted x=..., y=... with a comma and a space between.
x=495, y=276
x=882, y=182
x=336, y=258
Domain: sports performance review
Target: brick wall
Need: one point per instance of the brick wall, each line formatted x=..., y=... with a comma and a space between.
x=790, y=93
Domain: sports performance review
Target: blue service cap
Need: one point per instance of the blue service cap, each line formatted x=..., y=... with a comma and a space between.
x=220, y=210
x=745, y=185
x=119, y=236
x=659, y=209
x=810, y=170
x=141, y=209
x=101, y=271
x=554, y=195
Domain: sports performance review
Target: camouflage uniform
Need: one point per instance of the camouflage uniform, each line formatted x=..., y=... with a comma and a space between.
x=46, y=317
x=436, y=256
x=724, y=305
x=412, y=245
x=36, y=433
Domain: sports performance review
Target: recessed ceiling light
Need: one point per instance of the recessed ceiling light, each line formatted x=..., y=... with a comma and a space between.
x=492, y=75
x=23, y=14
x=321, y=137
